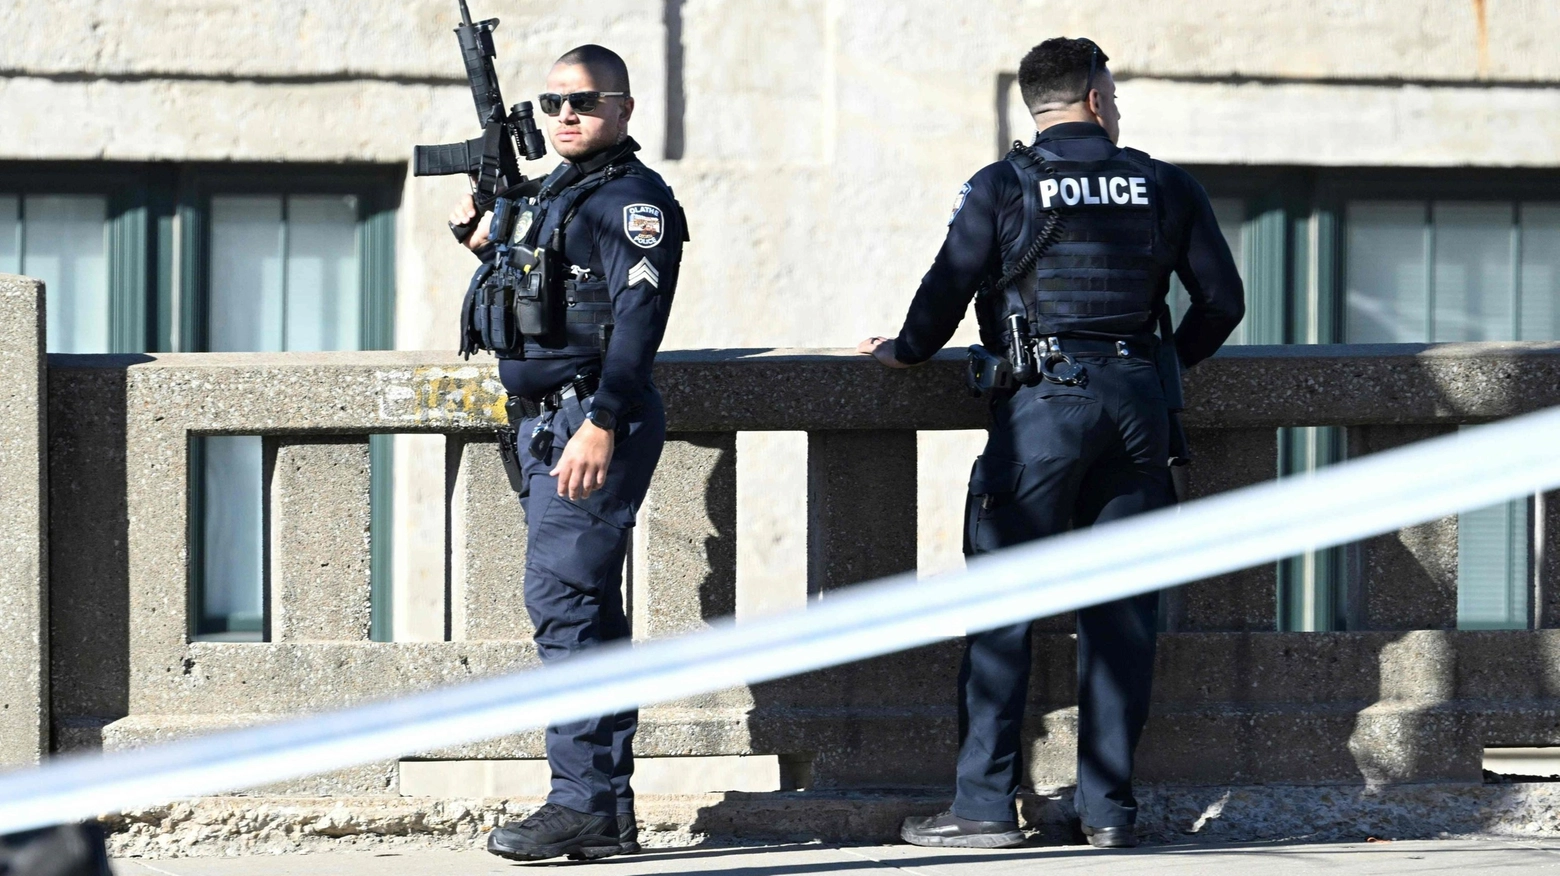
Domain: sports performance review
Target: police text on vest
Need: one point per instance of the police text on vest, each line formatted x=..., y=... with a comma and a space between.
x=1074, y=191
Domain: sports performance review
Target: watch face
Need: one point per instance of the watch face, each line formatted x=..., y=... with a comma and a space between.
x=603, y=418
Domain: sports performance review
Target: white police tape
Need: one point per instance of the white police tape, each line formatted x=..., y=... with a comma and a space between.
x=1471, y=469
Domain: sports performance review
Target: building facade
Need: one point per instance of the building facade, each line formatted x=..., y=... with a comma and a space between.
x=198, y=175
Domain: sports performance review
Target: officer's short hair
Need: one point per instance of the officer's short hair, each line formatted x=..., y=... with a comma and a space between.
x=1055, y=71
x=606, y=67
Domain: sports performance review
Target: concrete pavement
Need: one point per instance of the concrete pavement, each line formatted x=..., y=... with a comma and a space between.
x=1253, y=859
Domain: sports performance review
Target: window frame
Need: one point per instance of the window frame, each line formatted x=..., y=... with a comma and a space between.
x=158, y=252
x=1294, y=255
x=139, y=217
x=378, y=190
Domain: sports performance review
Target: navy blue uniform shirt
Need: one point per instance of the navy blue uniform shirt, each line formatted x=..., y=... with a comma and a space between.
x=641, y=272
x=990, y=220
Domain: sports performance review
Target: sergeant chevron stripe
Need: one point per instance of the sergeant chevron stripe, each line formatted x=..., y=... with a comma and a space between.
x=644, y=272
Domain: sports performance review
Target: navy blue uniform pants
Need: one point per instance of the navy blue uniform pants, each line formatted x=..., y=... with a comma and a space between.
x=1060, y=457
x=574, y=591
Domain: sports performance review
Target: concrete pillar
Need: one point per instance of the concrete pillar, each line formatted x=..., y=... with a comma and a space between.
x=487, y=536
x=89, y=529
x=861, y=506
x=686, y=571
x=1407, y=579
x=1546, y=561
x=24, y=574
x=1226, y=459
x=319, y=540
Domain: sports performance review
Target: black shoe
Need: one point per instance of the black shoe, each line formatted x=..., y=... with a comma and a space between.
x=628, y=834
x=950, y=831
x=1123, y=837
x=555, y=830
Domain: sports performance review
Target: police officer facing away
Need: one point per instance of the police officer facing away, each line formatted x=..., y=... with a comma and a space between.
x=1067, y=247
x=602, y=236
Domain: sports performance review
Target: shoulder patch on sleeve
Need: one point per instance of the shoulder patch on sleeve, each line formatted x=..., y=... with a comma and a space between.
x=958, y=203
x=644, y=224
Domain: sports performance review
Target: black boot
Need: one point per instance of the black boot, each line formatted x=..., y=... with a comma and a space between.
x=1124, y=837
x=555, y=830
x=628, y=834
x=950, y=831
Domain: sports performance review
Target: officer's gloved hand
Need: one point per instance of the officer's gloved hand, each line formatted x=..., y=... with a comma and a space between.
x=881, y=349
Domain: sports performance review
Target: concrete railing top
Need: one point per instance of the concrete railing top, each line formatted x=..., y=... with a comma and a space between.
x=809, y=390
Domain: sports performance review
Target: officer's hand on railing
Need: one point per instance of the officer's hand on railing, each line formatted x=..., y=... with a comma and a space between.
x=465, y=210
x=881, y=349
x=582, y=469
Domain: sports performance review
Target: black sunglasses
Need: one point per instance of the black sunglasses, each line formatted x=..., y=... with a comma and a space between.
x=1088, y=83
x=1094, y=66
x=582, y=101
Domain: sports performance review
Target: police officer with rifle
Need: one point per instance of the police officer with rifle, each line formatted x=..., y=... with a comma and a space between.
x=1067, y=247
x=577, y=278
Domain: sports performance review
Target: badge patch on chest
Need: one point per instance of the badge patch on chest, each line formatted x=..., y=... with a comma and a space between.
x=644, y=225
x=958, y=203
x=522, y=225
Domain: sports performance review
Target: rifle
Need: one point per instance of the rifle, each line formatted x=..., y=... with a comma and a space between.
x=491, y=158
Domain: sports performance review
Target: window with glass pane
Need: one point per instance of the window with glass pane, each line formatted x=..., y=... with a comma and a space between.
x=1418, y=271
x=284, y=276
x=1538, y=281
x=62, y=240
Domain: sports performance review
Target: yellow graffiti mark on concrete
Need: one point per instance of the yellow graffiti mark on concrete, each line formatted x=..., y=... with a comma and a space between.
x=462, y=395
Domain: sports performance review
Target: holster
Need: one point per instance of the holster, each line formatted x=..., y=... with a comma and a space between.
x=986, y=374
x=509, y=444
x=509, y=452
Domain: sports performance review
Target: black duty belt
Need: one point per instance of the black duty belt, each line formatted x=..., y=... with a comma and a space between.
x=1129, y=349
x=582, y=387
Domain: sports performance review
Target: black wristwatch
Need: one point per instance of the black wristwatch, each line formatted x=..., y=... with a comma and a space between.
x=602, y=418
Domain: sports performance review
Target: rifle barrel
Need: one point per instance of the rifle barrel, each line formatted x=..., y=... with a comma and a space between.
x=465, y=14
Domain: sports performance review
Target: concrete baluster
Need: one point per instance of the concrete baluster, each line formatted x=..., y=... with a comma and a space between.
x=861, y=506
x=487, y=538
x=1226, y=459
x=319, y=539
x=685, y=568
x=1407, y=579
x=24, y=575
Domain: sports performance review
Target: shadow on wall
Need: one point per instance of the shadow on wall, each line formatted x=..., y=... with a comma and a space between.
x=89, y=589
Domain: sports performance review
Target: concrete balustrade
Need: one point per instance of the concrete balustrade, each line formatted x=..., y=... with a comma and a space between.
x=1400, y=698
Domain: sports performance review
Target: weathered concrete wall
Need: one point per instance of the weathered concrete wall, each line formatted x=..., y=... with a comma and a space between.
x=24, y=571
x=764, y=116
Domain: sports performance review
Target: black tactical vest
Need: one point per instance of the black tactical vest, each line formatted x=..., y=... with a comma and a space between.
x=1104, y=263
x=586, y=324
x=529, y=300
